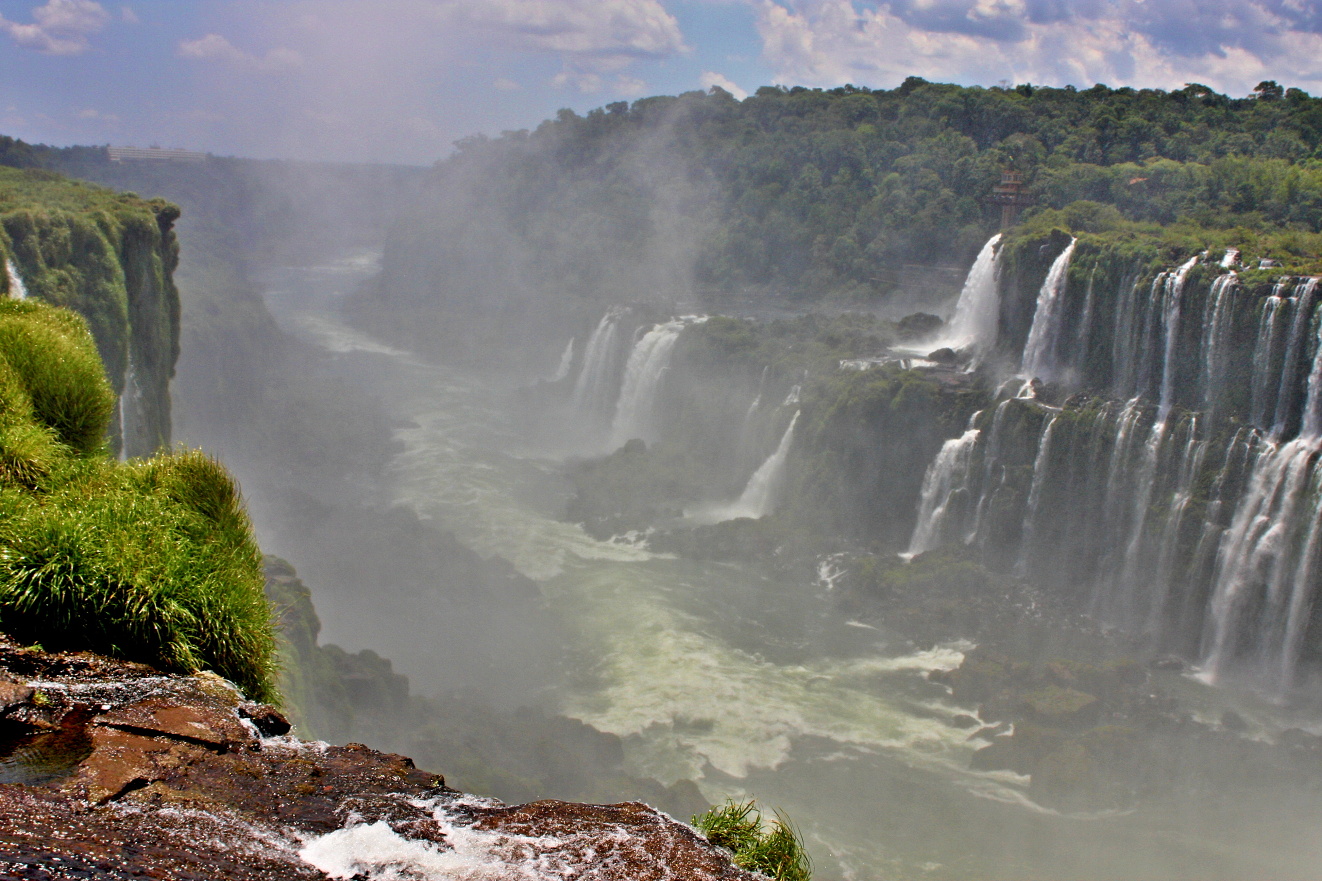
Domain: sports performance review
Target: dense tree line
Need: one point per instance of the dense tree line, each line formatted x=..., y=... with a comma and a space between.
x=812, y=192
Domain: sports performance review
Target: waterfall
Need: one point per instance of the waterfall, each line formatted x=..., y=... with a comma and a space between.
x=1085, y=323
x=747, y=429
x=1287, y=394
x=17, y=290
x=1216, y=338
x=762, y=492
x=1124, y=342
x=1040, y=351
x=1266, y=359
x=948, y=473
x=643, y=373
x=1210, y=551
x=759, y=498
x=1040, y=465
x=130, y=402
x=1264, y=583
x=1191, y=463
x=977, y=312
x=1172, y=293
x=1312, y=418
x=566, y=362
x=594, y=388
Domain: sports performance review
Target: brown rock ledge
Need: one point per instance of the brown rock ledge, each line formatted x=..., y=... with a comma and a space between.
x=116, y=771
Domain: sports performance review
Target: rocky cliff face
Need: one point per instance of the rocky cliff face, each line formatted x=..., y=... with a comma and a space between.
x=110, y=257
x=111, y=770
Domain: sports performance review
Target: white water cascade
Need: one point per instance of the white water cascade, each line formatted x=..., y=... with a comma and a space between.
x=643, y=373
x=566, y=362
x=1040, y=350
x=1040, y=467
x=948, y=472
x=973, y=324
x=594, y=387
x=1216, y=338
x=1173, y=294
x=762, y=492
x=130, y=402
x=1267, y=562
x=17, y=290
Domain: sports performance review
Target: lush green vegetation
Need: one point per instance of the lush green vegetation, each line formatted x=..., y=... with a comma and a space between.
x=149, y=560
x=776, y=851
x=108, y=256
x=832, y=194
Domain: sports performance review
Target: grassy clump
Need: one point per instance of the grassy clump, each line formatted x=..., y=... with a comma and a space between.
x=776, y=851
x=151, y=560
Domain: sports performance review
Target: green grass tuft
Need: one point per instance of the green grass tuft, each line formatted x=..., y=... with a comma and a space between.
x=61, y=374
x=776, y=850
x=151, y=560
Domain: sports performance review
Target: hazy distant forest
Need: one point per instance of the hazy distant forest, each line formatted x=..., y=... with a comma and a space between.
x=813, y=193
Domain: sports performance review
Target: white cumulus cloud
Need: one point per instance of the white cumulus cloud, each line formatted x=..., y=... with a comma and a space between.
x=214, y=47
x=60, y=27
x=595, y=39
x=710, y=78
x=1230, y=45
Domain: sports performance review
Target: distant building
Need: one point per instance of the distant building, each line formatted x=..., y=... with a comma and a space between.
x=1012, y=196
x=124, y=154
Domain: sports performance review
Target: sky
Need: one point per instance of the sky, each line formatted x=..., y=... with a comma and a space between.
x=402, y=80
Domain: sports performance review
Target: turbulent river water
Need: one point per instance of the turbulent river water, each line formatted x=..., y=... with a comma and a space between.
x=747, y=685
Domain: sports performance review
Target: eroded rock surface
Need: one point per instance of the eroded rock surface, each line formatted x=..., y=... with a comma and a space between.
x=115, y=771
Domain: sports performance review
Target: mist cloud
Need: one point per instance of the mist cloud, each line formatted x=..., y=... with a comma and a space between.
x=61, y=27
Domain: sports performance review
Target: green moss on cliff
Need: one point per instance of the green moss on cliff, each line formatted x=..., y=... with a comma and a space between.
x=151, y=560
x=108, y=256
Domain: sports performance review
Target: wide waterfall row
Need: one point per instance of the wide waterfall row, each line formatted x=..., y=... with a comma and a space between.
x=1182, y=499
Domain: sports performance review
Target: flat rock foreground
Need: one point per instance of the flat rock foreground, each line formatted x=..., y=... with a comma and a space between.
x=112, y=770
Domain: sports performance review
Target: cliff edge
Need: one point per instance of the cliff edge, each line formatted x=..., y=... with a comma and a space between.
x=114, y=770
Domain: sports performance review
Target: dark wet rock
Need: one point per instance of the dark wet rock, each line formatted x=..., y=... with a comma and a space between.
x=215, y=727
x=917, y=325
x=1298, y=739
x=987, y=732
x=268, y=721
x=1232, y=721
x=945, y=355
x=1060, y=706
x=159, y=776
x=1169, y=663
x=965, y=721
x=14, y=697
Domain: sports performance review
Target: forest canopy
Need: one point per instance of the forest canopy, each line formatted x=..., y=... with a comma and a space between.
x=815, y=193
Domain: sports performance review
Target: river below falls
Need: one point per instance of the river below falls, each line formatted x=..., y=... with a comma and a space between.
x=750, y=686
